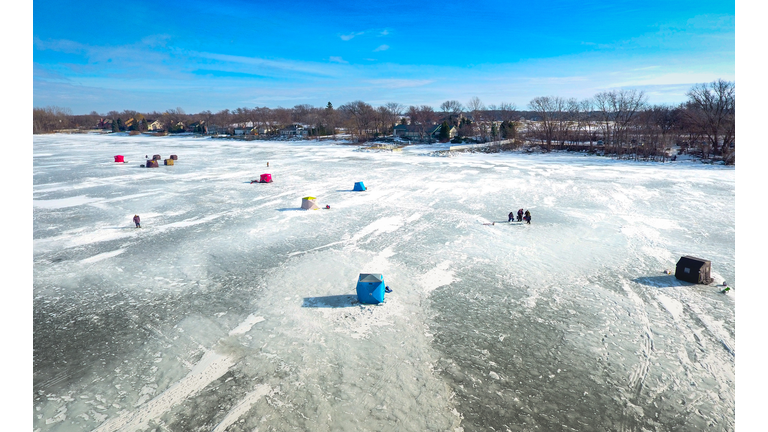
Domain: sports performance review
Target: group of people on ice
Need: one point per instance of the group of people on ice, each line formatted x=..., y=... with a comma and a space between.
x=520, y=216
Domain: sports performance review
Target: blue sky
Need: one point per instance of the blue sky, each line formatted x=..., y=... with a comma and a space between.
x=96, y=56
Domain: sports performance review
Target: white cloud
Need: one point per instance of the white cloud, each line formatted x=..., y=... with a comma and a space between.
x=350, y=36
x=337, y=59
x=382, y=48
x=399, y=83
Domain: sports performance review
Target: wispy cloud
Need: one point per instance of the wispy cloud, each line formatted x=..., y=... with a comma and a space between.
x=372, y=32
x=41, y=73
x=347, y=37
x=382, y=48
x=399, y=83
x=337, y=59
x=283, y=65
x=646, y=68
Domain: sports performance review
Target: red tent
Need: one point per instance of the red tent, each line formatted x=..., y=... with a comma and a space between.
x=119, y=158
x=265, y=178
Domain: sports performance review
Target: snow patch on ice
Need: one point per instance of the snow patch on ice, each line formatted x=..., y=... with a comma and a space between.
x=246, y=325
x=63, y=202
x=674, y=307
x=102, y=256
x=381, y=226
x=439, y=276
x=379, y=263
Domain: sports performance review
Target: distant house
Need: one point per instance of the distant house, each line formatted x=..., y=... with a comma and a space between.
x=198, y=127
x=104, y=124
x=408, y=131
x=421, y=131
x=215, y=129
x=243, y=131
x=293, y=130
x=154, y=125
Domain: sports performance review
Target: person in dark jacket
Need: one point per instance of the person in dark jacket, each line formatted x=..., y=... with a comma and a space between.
x=137, y=221
x=527, y=217
x=520, y=215
x=511, y=216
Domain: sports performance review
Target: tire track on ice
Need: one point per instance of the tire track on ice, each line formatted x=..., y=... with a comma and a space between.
x=208, y=369
x=640, y=372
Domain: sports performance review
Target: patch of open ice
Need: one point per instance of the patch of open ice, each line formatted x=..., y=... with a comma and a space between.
x=102, y=256
x=210, y=368
x=242, y=407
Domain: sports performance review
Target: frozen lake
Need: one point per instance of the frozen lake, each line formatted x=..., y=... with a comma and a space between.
x=232, y=309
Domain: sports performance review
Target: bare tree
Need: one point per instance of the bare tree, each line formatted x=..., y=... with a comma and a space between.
x=301, y=113
x=453, y=108
x=393, y=111
x=475, y=105
x=507, y=111
x=362, y=116
x=544, y=127
x=423, y=117
x=50, y=118
x=711, y=108
x=618, y=108
x=281, y=117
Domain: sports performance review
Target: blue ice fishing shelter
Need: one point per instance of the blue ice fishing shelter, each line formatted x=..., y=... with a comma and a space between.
x=370, y=288
x=359, y=186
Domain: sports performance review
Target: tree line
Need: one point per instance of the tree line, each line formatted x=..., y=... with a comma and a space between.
x=619, y=122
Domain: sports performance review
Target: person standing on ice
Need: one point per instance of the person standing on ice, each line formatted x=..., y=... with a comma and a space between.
x=527, y=217
x=137, y=221
x=511, y=216
x=520, y=215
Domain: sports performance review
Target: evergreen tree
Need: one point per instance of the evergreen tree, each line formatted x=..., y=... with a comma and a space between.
x=120, y=124
x=507, y=129
x=445, y=132
x=115, y=127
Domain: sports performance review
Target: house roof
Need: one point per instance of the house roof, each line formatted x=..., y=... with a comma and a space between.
x=416, y=128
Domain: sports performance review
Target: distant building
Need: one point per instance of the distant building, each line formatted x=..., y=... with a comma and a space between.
x=215, y=129
x=408, y=131
x=198, y=127
x=293, y=130
x=418, y=131
x=155, y=125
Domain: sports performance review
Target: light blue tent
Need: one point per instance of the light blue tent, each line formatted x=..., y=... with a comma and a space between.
x=359, y=186
x=370, y=288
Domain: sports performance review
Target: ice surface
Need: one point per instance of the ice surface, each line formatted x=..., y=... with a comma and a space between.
x=232, y=309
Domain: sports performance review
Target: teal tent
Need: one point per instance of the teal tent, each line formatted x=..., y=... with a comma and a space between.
x=370, y=288
x=359, y=186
